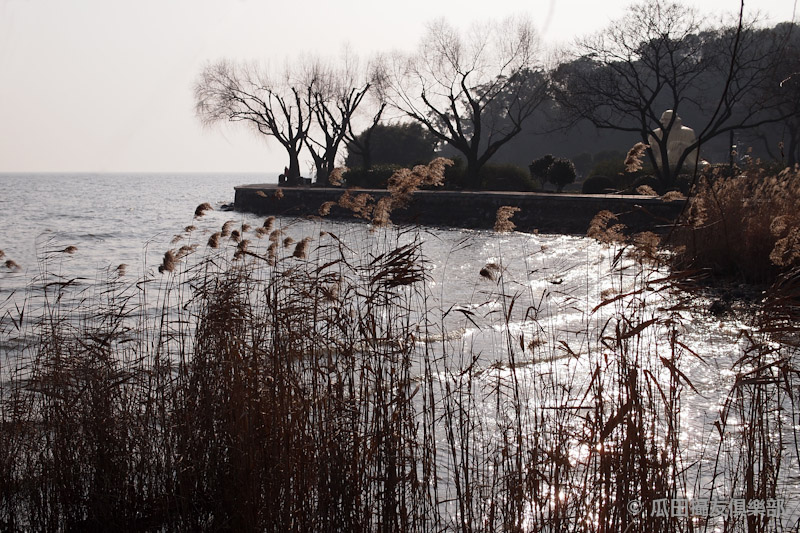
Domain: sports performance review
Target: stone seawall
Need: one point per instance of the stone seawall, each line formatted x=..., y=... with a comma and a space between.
x=542, y=212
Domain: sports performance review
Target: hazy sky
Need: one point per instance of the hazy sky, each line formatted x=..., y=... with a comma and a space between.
x=106, y=85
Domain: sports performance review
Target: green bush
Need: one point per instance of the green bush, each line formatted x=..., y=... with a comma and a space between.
x=405, y=144
x=540, y=168
x=561, y=173
x=506, y=177
x=598, y=185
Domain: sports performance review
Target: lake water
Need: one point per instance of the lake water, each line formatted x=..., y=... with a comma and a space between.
x=133, y=219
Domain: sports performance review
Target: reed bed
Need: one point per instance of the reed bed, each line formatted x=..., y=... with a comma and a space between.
x=328, y=384
x=745, y=227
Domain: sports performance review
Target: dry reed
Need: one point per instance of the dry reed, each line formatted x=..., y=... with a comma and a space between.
x=332, y=394
x=336, y=177
x=227, y=227
x=744, y=226
x=213, y=240
x=401, y=186
x=201, y=209
x=633, y=161
x=169, y=262
x=502, y=223
x=301, y=250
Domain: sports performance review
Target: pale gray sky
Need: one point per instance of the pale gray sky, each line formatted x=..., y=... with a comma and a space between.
x=106, y=85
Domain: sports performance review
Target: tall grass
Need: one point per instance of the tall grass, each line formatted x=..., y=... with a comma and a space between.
x=324, y=386
x=746, y=226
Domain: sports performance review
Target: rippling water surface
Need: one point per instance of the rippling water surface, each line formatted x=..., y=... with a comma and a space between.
x=557, y=280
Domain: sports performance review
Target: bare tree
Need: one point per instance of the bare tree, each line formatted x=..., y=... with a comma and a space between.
x=271, y=105
x=360, y=144
x=657, y=58
x=336, y=90
x=473, y=90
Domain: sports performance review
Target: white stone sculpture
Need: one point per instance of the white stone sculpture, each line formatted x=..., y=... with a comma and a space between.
x=679, y=139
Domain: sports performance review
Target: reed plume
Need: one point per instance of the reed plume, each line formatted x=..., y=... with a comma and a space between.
x=70, y=250
x=169, y=262
x=673, y=196
x=227, y=227
x=336, y=177
x=189, y=229
x=278, y=194
x=301, y=250
x=633, y=161
x=272, y=253
x=185, y=250
x=201, y=209
x=489, y=271
x=360, y=205
x=381, y=211
x=268, y=222
x=503, y=222
x=401, y=186
x=287, y=242
x=241, y=249
x=604, y=229
x=213, y=241
x=12, y=265
x=405, y=182
x=325, y=208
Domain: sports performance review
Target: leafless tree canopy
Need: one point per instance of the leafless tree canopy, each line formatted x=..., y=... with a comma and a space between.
x=309, y=106
x=271, y=105
x=472, y=90
x=659, y=57
x=337, y=91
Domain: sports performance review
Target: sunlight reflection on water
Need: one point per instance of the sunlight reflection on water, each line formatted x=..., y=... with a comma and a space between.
x=543, y=300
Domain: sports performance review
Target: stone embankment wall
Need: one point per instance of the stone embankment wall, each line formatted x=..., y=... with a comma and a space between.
x=545, y=213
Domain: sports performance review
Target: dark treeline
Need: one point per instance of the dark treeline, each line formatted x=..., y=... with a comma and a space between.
x=485, y=98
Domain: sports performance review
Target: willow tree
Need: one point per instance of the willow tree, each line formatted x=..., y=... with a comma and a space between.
x=270, y=104
x=472, y=90
x=336, y=90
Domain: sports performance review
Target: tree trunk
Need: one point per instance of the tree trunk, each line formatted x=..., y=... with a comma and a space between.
x=322, y=175
x=294, y=168
x=472, y=179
